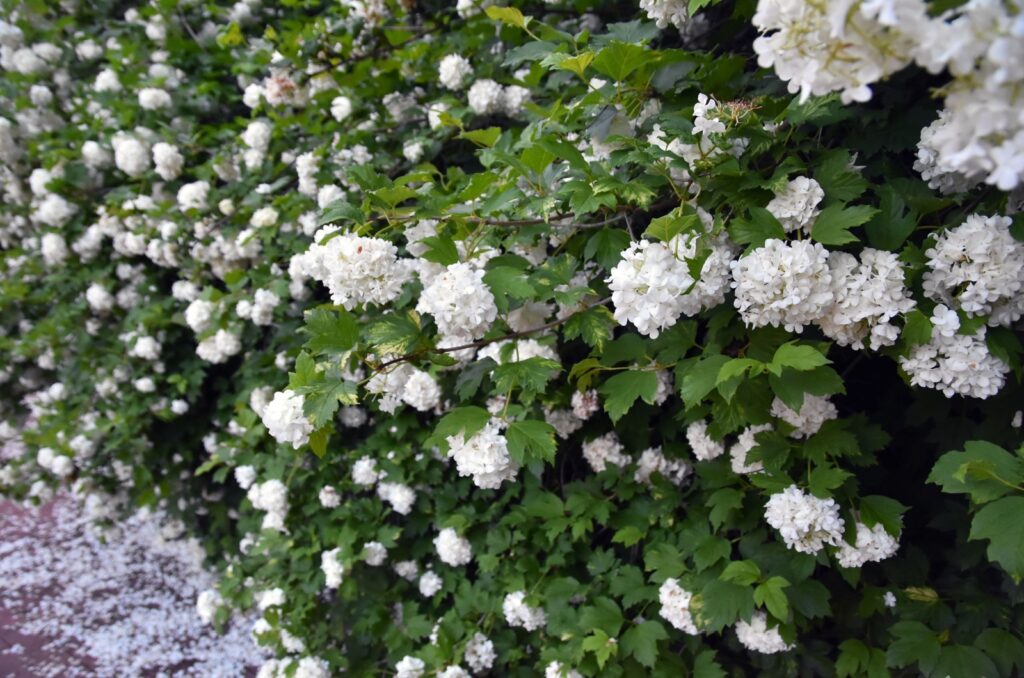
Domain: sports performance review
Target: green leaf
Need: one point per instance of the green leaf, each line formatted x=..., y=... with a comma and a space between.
x=467, y=383
x=982, y=470
x=508, y=15
x=792, y=384
x=394, y=333
x=603, y=615
x=1000, y=522
x=810, y=598
x=857, y=659
x=601, y=646
x=531, y=376
x=563, y=62
x=738, y=367
x=964, y=661
x=823, y=479
x=622, y=390
x=441, y=249
x=840, y=182
x=322, y=400
x=743, y=572
x=770, y=595
x=331, y=331
x=705, y=666
x=486, y=138
x=465, y=420
x=507, y=282
x=917, y=328
x=709, y=551
x=606, y=246
x=721, y=603
x=641, y=641
x=1003, y=648
x=627, y=536
x=305, y=372
x=318, y=440
x=876, y=509
x=700, y=379
x=666, y=227
x=913, y=642
x=832, y=227
x=531, y=439
x=341, y=210
x=890, y=228
x=762, y=225
x=723, y=502
x=798, y=357
x=618, y=59
x=594, y=326
x=664, y=560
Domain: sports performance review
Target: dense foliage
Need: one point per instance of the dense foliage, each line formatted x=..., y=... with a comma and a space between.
x=574, y=337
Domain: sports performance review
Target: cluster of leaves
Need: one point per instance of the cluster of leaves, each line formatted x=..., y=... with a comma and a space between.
x=590, y=548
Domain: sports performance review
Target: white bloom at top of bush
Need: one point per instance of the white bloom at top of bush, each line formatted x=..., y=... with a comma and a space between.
x=460, y=302
x=485, y=97
x=484, y=456
x=401, y=497
x=757, y=637
x=153, y=98
x=193, y=195
x=332, y=567
x=430, y=583
x=978, y=267
x=805, y=522
x=168, y=160
x=453, y=71
x=356, y=269
x=285, y=420
x=219, y=347
x=53, y=248
x=675, y=606
x=341, y=108
x=604, y=450
x=783, y=284
x=452, y=549
x=410, y=667
x=198, y=314
x=364, y=472
x=873, y=544
x=795, y=206
x=666, y=12
x=99, y=299
x=518, y=613
x=814, y=412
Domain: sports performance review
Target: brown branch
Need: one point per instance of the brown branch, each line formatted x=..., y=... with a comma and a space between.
x=484, y=342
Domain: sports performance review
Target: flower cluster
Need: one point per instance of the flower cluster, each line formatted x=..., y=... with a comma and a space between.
x=805, y=522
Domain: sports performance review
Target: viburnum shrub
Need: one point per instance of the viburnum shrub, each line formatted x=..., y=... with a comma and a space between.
x=574, y=338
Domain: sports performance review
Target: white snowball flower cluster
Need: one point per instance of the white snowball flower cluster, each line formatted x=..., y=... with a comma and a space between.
x=783, y=284
x=218, y=347
x=131, y=156
x=873, y=544
x=522, y=349
x=518, y=613
x=193, y=196
x=746, y=442
x=460, y=302
x=59, y=465
x=956, y=364
x=453, y=71
x=401, y=497
x=198, y=314
x=356, y=269
x=675, y=606
x=484, y=456
x=245, y=476
x=53, y=248
x=430, y=583
x=757, y=637
x=558, y=670
x=667, y=12
x=978, y=267
x=485, y=97
x=652, y=461
x=454, y=671
x=285, y=420
x=867, y=296
x=704, y=447
x=168, y=161
x=652, y=286
x=332, y=567
x=404, y=384
x=374, y=553
x=805, y=522
x=341, y=108
x=364, y=472
x=604, y=450
x=154, y=98
x=814, y=412
x=410, y=667
x=585, y=404
x=207, y=604
x=796, y=205
x=146, y=348
x=270, y=496
x=452, y=549
x=480, y=653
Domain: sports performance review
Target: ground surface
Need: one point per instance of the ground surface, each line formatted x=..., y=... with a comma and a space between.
x=72, y=604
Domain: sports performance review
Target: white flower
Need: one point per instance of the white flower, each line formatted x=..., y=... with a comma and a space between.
x=245, y=476
x=703, y=446
x=460, y=301
x=193, y=195
x=285, y=420
x=675, y=606
x=168, y=160
x=873, y=545
x=978, y=267
x=454, y=671
x=604, y=450
x=814, y=412
x=146, y=348
x=329, y=497
x=219, y=347
x=131, y=156
x=484, y=456
x=152, y=98
x=364, y=472
x=356, y=269
x=207, y=604
x=341, y=108
x=272, y=497
x=407, y=569
x=666, y=12
x=453, y=71
x=332, y=567
x=757, y=637
x=480, y=654
x=652, y=461
x=421, y=391
x=430, y=583
x=198, y=314
x=783, y=284
x=53, y=248
x=889, y=599
x=401, y=497
x=485, y=97
x=805, y=522
x=452, y=549
x=410, y=667
x=557, y=670
x=585, y=404
x=263, y=217
x=518, y=613
x=795, y=206
x=374, y=553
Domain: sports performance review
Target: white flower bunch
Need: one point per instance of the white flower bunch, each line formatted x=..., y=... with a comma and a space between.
x=814, y=412
x=285, y=420
x=873, y=545
x=667, y=12
x=783, y=284
x=486, y=97
x=332, y=567
x=746, y=442
x=218, y=347
x=452, y=549
x=410, y=667
x=558, y=670
x=364, y=472
x=484, y=456
x=805, y=522
x=401, y=497
x=374, y=553
x=757, y=637
x=460, y=302
x=430, y=583
x=704, y=447
x=480, y=654
x=675, y=606
x=796, y=205
x=518, y=613
x=978, y=267
x=207, y=604
x=652, y=461
x=604, y=450
x=356, y=269
x=453, y=71
x=270, y=496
